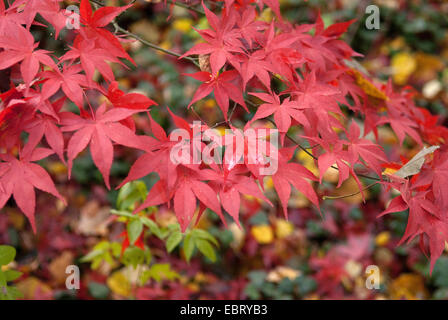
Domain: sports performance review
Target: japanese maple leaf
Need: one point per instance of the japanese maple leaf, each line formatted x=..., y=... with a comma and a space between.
x=99, y=132
x=188, y=190
x=94, y=27
x=70, y=80
x=20, y=176
x=101, y=17
x=320, y=99
x=222, y=40
x=283, y=112
x=158, y=154
x=20, y=47
x=335, y=154
x=256, y=64
x=402, y=126
x=92, y=58
x=222, y=86
x=436, y=175
x=425, y=219
x=127, y=100
x=335, y=30
x=232, y=182
x=43, y=125
x=249, y=27
x=290, y=173
x=49, y=9
x=371, y=153
x=9, y=19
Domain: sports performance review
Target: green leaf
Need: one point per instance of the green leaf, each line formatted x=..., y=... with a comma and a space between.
x=133, y=256
x=440, y=272
x=14, y=293
x=2, y=279
x=153, y=227
x=173, y=240
x=123, y=214
x=92, y=255
x=189, y=244
x=206, y=248
x=12, y=275
x=202, y=234
x=130, y=193
x=158, y=272
x=7, y=255
x=135, y=228
x=98, y=290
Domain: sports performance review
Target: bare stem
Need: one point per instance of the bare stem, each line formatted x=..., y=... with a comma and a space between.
x=349, y=195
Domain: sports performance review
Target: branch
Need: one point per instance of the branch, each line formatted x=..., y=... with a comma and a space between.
x=152, y=45
x=182, y=5
x=349, y=195
x=145, y=42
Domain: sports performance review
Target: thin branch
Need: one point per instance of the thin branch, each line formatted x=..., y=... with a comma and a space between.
x=182, y=5
x=351, y=194
x=152, y=45
x=145, y=42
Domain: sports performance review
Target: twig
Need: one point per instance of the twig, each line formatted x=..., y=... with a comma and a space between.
x=152, y=45
x=145, y=42
x=349, y=195
x=182, y=5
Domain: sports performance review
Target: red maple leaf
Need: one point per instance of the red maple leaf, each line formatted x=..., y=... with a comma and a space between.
x=290, y=173
x=222, y=86
x=19, y=177
x=20, y=47
x=99, y=131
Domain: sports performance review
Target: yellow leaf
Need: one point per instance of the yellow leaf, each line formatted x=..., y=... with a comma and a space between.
x=119, y=284
x=403, y=65
x=183, y=24
x=367, y=86
x=408, y=286
x=307, y=161
x=283, y=228
x=382, y=239
x=263, y=234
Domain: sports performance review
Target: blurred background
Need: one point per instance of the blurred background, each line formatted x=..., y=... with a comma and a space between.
x=307, y=257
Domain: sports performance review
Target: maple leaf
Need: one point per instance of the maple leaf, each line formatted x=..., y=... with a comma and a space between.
x=319, y=99
x=288, y=174
x=43, y=125
x=371, y=153
x=402, y=126
x=9, y=19
x=222, y=86
x=335, y=30
x=92, y=58
x=189, y=188
x=158, y=156
x=127, y=100
x=283, y=112
x=94, y=28
x=230, y=182
x=69, y=80
x=21, y=48
x=222, y=41
x=99, y=132
x=256, y=64
x=20, y=176
x=49, y=9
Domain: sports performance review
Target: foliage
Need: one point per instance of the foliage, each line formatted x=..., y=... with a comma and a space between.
x=260, y=73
